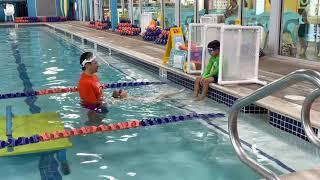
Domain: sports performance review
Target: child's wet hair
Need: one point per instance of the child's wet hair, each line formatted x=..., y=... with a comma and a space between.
x=215, y=44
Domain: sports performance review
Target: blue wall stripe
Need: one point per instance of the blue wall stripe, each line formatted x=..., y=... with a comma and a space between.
x=31, y=8
x=58, y=9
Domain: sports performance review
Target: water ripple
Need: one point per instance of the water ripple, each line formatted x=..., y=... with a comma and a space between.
x=103, y=167
x=131, y=173
x=108, y=177
x=87, y=162
x=52, y=70
x=90, y=155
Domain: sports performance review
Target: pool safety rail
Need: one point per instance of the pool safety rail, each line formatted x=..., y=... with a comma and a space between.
x=75, y=89
x=290, y=79
x=49, y=136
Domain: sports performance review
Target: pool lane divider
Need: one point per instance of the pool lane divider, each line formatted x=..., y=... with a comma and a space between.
x=74, y=89
x=49, y=136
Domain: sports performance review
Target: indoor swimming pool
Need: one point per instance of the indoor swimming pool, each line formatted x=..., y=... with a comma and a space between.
x=35, y=58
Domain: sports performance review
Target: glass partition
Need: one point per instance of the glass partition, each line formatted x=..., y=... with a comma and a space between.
x=229, y=9
x=257, y=13
x=136, y=12
x=300, y=34
x=152, y=6
x=123, y=12
x=169, y=13
x=187, y=15
x=106, y=9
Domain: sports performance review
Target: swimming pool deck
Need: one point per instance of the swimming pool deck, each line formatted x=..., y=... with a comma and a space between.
x=270, y=69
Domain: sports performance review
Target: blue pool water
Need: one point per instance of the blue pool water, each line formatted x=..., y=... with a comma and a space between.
x=34, y=58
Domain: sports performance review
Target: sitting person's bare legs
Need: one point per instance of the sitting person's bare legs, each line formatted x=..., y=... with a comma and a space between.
x=205, y=88
x=196, y=86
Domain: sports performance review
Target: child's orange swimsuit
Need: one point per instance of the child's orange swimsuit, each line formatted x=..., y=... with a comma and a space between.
x=90, y=91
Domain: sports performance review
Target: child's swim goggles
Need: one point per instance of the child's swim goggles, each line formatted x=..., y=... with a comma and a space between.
x=210, y=50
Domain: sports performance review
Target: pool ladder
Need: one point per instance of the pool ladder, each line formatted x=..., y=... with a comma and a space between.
x=286, y=81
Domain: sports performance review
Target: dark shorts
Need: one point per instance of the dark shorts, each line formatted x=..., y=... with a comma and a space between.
x=215, y=79
x=303, y=30
x=101, y=109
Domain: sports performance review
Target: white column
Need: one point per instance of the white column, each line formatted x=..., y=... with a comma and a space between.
x=274, y=28
x=79, y=10
x=130, y=9
x=162, y=5
x=101, y=10
x=177, y=13
x=122, y=7
x=96, y=9
x=196, y=11
x=140, y=7
x=201, y=4
x=84, y=10
x=91, y=9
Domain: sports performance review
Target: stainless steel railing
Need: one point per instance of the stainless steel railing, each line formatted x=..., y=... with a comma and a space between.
x=292, y=78
x=305, y=117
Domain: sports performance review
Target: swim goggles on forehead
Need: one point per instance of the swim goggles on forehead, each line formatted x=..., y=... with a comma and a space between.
x=212, y=49
x=88, y=61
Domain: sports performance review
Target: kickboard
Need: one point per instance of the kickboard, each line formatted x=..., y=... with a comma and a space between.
x=28, y=125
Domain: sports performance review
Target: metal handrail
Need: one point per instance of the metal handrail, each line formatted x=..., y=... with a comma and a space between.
x=305, y=117
x=294, y=77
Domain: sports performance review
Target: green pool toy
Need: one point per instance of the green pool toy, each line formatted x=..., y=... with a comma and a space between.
x=28, y=125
